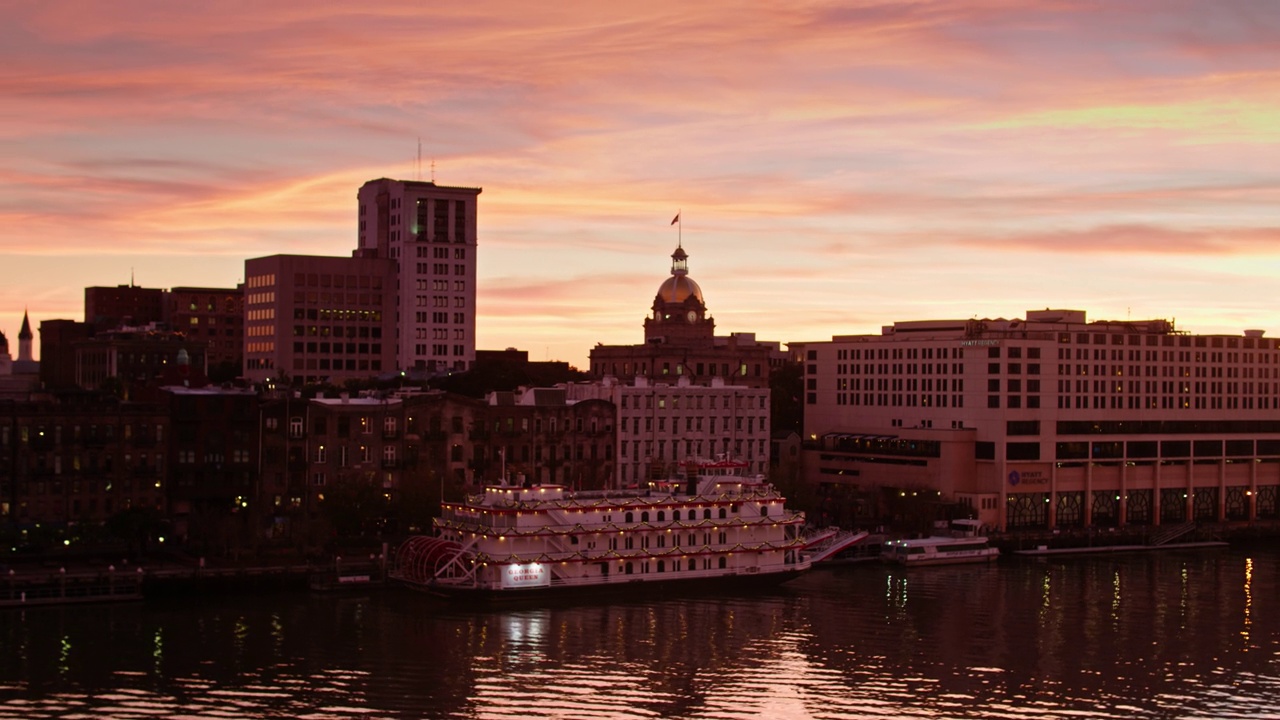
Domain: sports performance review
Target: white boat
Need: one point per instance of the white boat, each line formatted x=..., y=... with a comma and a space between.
x=713, y=525
x=960, y=544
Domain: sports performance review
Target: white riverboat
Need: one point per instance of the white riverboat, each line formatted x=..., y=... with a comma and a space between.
x=960, y=543
x=713, y=525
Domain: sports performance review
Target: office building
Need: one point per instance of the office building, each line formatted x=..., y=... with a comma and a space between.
x=1051, y=421
x=314, y=319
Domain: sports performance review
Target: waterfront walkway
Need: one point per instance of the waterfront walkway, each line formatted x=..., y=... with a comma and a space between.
x=40, y=584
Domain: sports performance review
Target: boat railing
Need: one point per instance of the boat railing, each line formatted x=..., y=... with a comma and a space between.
x=678, y=552
x=587, y=500
x=508, y=526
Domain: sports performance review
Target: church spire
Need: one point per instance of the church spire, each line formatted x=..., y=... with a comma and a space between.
x=24, y=339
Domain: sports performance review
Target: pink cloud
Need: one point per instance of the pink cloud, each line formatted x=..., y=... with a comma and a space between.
x=809, y=146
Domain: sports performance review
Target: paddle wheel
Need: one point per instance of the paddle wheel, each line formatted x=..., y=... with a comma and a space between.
x=425, y=560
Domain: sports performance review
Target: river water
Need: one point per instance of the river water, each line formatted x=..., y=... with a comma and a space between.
x=1166, y=635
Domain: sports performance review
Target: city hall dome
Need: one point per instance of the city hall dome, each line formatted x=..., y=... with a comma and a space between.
x=678, y=288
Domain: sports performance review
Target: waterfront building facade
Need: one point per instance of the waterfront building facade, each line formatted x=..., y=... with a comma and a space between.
x=212, y=487
x=399, y=444
x=1051, y=421
x=429, y=231
x=318, y=319
x=660, y=425
x=541, y=435
x=80, y=461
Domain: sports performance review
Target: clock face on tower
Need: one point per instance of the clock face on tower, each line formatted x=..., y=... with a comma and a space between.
x=693, y=316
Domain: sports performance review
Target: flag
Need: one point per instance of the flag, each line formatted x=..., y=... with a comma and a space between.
x=675, y=219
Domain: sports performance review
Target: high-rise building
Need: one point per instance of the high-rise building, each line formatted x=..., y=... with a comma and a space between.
x=429, y=230
x=1050, y=421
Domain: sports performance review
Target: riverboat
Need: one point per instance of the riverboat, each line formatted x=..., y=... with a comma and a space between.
x=713, y=525
x=960, y=544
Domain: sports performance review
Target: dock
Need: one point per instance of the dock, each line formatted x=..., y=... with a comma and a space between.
x=65, y=588
x=1044, y=551
x=35, y=586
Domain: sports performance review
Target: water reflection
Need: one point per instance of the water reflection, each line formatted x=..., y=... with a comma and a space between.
x=1145, y=636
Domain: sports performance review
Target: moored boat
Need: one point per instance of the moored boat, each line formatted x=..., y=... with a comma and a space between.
x=960, y=544
x=713, y=525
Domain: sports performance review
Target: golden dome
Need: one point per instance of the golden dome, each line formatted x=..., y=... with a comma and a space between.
x=678, y=288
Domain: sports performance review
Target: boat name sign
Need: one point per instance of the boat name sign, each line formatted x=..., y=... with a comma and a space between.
x=525, y=575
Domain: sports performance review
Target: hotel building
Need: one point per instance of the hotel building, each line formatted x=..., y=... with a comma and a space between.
x=1051, y=421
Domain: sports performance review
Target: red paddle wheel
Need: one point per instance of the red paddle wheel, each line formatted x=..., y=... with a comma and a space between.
x=423, y=560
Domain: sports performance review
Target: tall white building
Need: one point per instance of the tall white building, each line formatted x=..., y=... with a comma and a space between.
x=429, y=230
x=1051, y=421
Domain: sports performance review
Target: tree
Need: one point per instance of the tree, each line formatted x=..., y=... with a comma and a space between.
x=137, y=526
x=354, y=506
x=414, y=505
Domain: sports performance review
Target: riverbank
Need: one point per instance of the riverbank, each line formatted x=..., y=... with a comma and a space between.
x=1082, y=540
x=40, y=583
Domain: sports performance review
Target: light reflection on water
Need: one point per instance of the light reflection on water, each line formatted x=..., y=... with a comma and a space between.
x=1144, y=636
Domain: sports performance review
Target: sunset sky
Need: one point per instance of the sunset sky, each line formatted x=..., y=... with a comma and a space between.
x=838, y=165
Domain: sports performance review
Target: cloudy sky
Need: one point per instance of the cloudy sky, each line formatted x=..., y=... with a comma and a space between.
x=838, y=165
